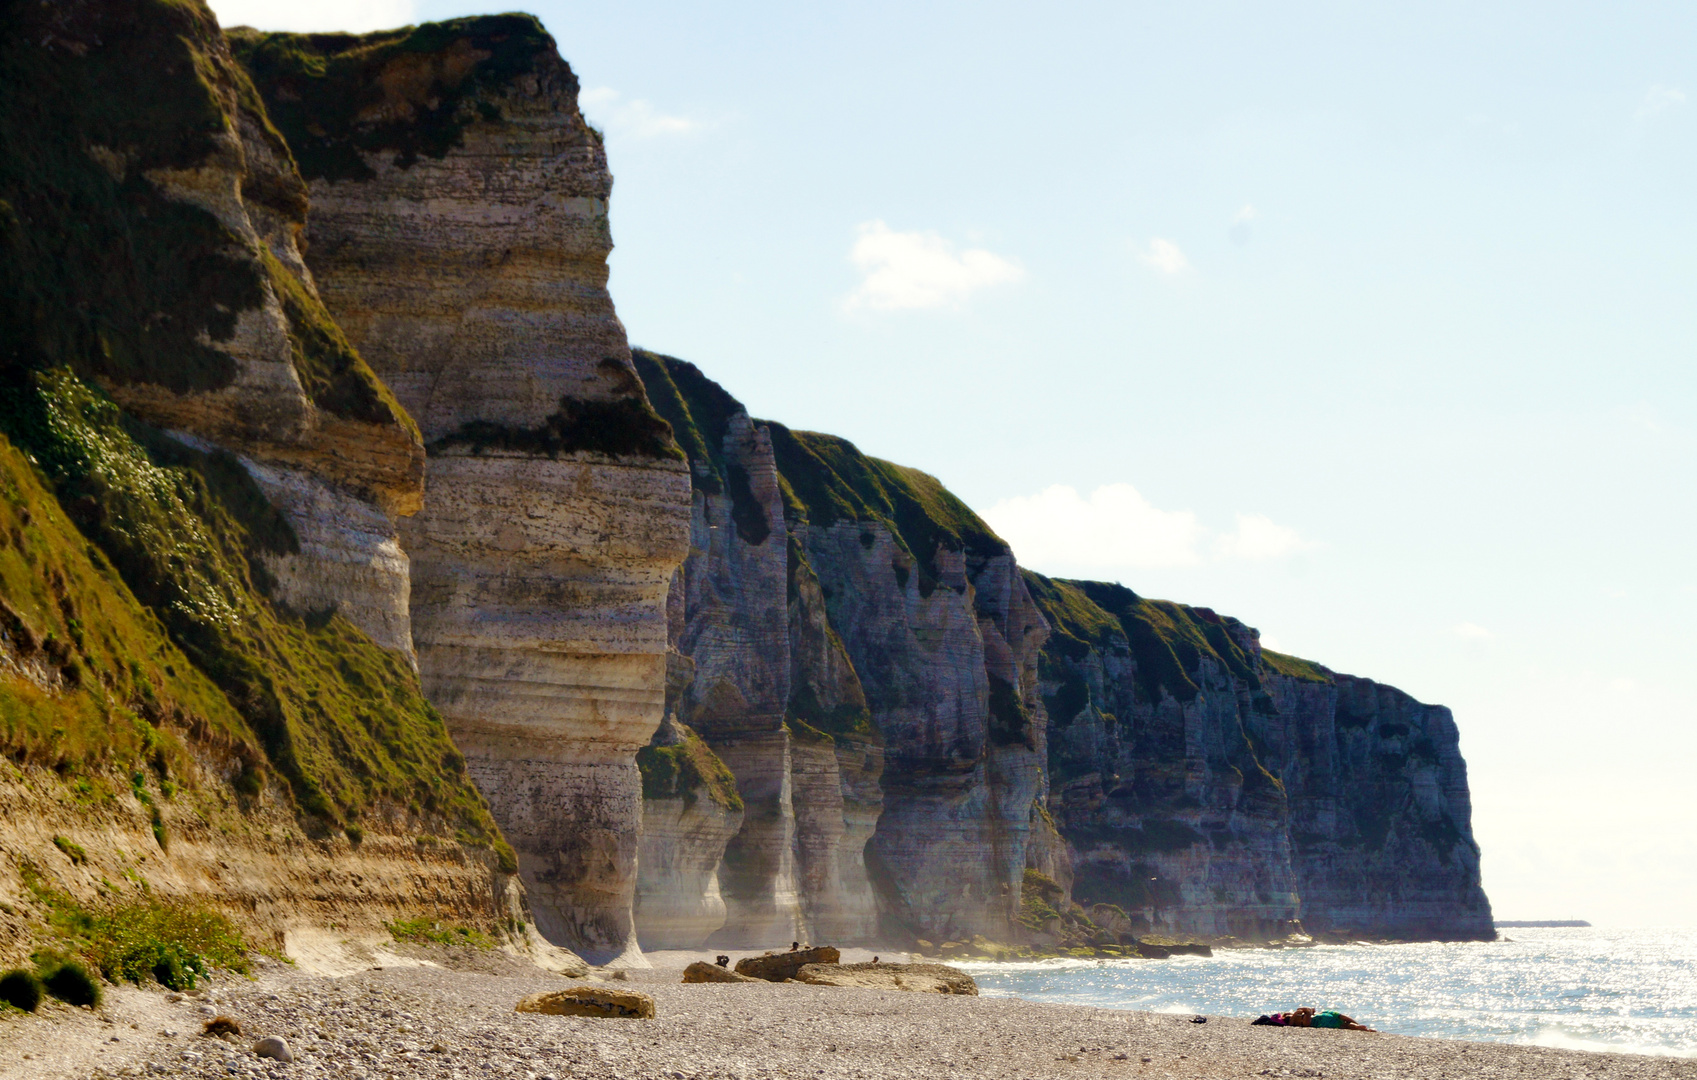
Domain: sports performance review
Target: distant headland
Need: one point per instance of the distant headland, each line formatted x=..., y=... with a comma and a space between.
x=1521, y=924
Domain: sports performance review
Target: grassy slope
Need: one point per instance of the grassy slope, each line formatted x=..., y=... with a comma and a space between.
x=101, y=276
x=93, y=681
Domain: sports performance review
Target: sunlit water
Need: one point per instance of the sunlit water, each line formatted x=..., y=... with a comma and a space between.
x=1631, y=991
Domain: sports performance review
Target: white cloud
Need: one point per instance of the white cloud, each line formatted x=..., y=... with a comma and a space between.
x=920, y=269
x=1471, y=631
x=1240, y=232
x=1117, y=528
x=631, y=118
x=1165, y=256
x=1245, y=214
x=1658, y=99
x=357, y=16
x=1259, y=538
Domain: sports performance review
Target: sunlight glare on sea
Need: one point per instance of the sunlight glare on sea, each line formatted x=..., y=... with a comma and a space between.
x=1625, y=991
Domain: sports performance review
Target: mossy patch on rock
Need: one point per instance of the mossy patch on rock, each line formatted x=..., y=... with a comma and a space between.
x=621, y=427
x=687, y=770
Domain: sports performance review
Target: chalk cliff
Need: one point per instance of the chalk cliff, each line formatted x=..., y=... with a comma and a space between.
x=1148, y=762
x=1209, y=786
x=315, y=405
x=459, y=236
x=865, y=662
x=206, y=666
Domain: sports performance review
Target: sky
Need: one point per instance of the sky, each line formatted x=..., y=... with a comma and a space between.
x=1369, y=324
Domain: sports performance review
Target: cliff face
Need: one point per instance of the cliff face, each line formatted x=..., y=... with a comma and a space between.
x=877, y=706
x=720, y=682
x=1147, y=756
x=1208, y=786
x=207, y=655
x=459, y=235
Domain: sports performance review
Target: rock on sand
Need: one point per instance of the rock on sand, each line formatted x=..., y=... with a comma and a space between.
x=779, y=966
x=703, y=972
x=919, y=978
x=590, y=1001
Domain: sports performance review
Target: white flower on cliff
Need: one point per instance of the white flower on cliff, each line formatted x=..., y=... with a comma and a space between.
x=920, y=270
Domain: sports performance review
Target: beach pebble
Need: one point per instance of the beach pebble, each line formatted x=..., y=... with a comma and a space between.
x=273, y=1047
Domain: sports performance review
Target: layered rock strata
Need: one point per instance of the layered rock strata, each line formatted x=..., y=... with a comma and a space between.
x=691, y=810
x=881, y=710
x=459, y=235
x=1209, y=786
x=764, y=662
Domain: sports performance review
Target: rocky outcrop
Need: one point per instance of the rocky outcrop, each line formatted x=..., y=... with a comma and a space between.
x=766, y=668
x=703, y=972
x=600, y=1002
x=1210, y=787
x=459, y=235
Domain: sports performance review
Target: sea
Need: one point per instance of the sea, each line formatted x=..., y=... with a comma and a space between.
x=1583, y=988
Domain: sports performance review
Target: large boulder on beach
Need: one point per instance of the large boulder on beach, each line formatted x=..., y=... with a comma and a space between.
x=777, y=967
x=917, y=978
x=703, y=972
x=599, y=1001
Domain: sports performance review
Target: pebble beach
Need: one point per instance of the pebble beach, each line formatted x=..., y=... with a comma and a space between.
x=449, y=1016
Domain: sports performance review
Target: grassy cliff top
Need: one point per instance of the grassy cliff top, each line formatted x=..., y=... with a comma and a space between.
x=826, y=480
x=1169, y=641
x=411, y=91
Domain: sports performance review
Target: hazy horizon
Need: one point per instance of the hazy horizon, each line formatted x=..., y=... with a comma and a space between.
x=1369, y=326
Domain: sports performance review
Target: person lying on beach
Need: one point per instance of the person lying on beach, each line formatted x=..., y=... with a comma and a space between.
x=1307, y=1017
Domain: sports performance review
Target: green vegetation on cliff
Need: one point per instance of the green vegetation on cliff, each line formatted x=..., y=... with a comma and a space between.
x=342, y=720
x=827, y=480
x=700, y=411
x=687, y=770
x=412, y=91
x=1168, y=641
x=136, y=609
x=96, y=683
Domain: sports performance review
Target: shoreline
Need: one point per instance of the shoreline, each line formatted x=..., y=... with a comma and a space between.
x=449, y=1013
